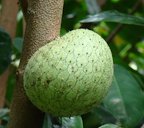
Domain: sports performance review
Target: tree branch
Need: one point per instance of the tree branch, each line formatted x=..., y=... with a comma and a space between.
x=43, y=25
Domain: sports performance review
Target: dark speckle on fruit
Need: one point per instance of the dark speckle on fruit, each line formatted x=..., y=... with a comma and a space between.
x=48, y=81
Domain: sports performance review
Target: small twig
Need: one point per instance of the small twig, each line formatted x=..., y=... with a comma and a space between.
x=114, y=32
x=120, y=26
x=135, y=7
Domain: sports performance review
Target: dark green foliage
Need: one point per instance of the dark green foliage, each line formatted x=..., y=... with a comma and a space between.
x=64, y=122
x=10, y=87
x=3, y=113
x=125, y=100
x=5, y=50
x=73, y=12
x=4, y=117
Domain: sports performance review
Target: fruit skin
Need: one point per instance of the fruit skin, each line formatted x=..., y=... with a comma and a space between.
x=69, y=75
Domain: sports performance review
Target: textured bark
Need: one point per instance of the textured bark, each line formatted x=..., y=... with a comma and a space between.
x=8, y=22
x=43, y=20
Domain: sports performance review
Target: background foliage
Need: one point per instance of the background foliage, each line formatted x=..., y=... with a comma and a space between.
x=124, y=104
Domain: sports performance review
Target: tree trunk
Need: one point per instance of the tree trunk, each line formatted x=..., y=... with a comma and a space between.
x=43, y=20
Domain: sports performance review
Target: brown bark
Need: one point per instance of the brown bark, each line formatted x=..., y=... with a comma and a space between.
x=3, y=83
x=43, y=20
x=8, y=22
x=101, y=2
x=24, y=26
x=8, y=16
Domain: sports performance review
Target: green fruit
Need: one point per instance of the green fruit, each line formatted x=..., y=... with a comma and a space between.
x=69, y=75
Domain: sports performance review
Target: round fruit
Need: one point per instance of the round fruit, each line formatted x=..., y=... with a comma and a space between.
x=69, y=75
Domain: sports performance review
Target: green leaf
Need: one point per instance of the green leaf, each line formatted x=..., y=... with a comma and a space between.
x=5, y=50
x=97, y=116
x=47, y=122
x=92, y=6
x=125, y=100
x=18, y=43
x=72, y=122
x=3, y=112
x=114, y=16
x=64, y=122
x=109, y=126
